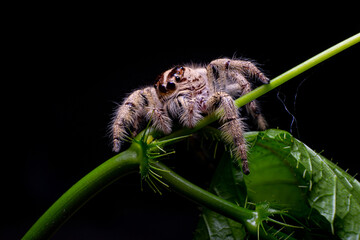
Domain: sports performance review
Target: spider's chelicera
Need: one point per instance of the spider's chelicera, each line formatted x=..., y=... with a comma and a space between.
x=187, y=94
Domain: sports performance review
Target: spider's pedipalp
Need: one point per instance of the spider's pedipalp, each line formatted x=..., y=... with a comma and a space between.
x=159, y=118
x=155, y=111
x=190, y=114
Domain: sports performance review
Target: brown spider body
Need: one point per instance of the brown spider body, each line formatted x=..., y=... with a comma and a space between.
x=188, y=93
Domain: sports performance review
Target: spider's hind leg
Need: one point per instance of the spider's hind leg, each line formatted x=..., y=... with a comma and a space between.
x=231, y=76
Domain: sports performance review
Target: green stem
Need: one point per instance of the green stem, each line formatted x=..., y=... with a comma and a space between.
x=98, y=179
x=184, y=187
x=274, y=83
x=130, y=160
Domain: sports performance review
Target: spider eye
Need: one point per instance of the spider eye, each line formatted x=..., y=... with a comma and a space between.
x=162, y=88
x=171, y=85
x=177, y=73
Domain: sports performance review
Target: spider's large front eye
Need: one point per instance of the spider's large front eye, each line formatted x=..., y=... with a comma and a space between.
x=162, y=88
x=171, y=86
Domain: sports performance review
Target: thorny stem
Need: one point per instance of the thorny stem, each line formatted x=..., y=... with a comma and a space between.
x=81, y=192
x=207, y=199
x=130, y=160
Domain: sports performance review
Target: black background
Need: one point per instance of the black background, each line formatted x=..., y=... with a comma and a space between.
x=66, y=79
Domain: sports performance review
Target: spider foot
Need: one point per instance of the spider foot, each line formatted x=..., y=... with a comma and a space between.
x=245, y=167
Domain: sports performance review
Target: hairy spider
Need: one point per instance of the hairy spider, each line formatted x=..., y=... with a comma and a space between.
x=188, y=93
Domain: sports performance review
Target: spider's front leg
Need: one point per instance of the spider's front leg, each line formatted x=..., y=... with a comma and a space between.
x=232, y=127
x=141, y=103
x=127, y=116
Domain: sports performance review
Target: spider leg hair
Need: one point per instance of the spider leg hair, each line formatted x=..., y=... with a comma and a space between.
x=232, y=127
x=252, y=107
x=231, y=75
x=127, y=115
x=237, y=70
x=188, y=112
x=247, y=68
x=142, y=103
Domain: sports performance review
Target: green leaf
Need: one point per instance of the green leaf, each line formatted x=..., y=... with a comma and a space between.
x=272, y=178
x=291, y=177
x=213, y=225
x=228, y=184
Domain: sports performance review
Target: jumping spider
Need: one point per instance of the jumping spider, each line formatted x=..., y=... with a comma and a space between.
x=188, y=93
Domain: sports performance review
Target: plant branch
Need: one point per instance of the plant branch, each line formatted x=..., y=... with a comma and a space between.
x=251, y=219
x=202, y=197
x=130, y=160
x=71, y=201
x=295, y=71
x=274, y=83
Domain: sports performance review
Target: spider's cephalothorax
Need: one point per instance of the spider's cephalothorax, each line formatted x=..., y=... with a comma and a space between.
x=188, y=93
